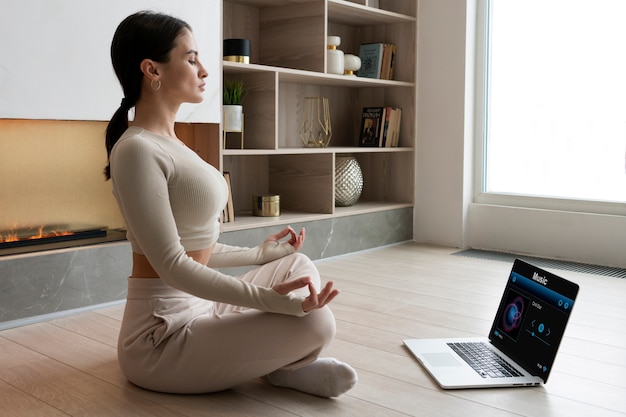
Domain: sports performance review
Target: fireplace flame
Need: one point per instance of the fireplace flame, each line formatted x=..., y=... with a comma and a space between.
x=16, y=235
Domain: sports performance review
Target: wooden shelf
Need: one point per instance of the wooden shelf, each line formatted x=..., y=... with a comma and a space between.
x=245, y=220
x=288, y=39
x=341, y=11
x=309, y=151
x=289, y=75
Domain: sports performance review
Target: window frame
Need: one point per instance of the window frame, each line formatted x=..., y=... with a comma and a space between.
x=481, y=196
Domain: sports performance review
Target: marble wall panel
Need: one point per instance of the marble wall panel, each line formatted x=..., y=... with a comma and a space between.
x=55, y=281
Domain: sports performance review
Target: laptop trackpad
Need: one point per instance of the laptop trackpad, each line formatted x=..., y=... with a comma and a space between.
x=441, y=359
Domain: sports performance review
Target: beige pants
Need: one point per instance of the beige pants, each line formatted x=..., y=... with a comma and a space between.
x=173, y=342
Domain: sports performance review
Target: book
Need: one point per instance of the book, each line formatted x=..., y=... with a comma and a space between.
x=390, y=134
x=396, y=128
x=392, y=112
x=372, y=123
x=228, y=215
x=393, y=59
x=386, y=63
x=386, y=128
x=380, y=127
x=371, y=55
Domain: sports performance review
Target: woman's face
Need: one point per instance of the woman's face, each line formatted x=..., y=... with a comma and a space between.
x=182, y=78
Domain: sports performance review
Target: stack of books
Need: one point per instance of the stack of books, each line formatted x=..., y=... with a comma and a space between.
x=380, y=127
x=377, y=60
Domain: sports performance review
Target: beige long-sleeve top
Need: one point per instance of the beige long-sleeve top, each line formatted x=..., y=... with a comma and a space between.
x=171, y=201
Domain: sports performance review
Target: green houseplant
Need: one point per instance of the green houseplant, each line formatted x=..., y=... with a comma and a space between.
x=234, y=94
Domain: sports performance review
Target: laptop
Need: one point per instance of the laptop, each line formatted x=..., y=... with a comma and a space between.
x=523, y=341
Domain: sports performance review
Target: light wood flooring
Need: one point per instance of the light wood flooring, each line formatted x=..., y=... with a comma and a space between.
x=68, y=367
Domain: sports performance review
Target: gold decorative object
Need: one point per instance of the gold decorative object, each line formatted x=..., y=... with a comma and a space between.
x=266, y=205
x=316, y=131
x=237, y=50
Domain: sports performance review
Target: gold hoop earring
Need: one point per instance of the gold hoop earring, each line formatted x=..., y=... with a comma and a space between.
x=158, y=86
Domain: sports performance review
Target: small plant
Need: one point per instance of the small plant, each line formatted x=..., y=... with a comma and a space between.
x=234, y=92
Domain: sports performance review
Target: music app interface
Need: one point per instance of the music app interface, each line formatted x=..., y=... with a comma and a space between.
x=532, y=317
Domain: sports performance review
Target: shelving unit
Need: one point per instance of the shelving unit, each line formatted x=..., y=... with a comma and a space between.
x=288, y=63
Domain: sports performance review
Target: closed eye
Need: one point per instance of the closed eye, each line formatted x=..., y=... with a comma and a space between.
x=193, y=54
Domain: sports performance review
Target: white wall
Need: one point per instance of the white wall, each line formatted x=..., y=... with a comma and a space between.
x=582, y=237
x=55, y=61
x=445, y=213
x=443, y=162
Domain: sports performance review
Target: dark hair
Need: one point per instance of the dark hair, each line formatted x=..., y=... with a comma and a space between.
x=143, y=35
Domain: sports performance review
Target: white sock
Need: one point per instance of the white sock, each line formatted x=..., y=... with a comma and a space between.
x=326, y=377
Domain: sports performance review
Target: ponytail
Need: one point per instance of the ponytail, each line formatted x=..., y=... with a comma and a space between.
x=116, y=127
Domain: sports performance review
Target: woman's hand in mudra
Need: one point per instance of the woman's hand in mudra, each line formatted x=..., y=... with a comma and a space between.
x=315, y=299
x=295, y=240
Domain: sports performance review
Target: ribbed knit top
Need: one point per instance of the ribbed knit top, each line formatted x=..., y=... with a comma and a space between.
x=171, y=201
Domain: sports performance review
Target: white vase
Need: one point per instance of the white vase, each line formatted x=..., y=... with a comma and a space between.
x=334, y=56
x=233, y=118
x=351, y=63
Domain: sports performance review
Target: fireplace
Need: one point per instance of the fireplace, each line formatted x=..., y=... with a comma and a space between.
x=52, y=188
x=51, y=178
x=48, y=237
x=30, y=236
x=63, y=243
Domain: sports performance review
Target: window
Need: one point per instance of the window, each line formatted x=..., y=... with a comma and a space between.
x=555, y=103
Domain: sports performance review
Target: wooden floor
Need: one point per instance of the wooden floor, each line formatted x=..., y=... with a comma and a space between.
x=68, y=367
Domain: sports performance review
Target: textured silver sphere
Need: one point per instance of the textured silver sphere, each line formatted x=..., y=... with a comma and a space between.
x=348, y=180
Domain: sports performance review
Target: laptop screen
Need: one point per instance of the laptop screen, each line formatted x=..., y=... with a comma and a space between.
x=532, y=316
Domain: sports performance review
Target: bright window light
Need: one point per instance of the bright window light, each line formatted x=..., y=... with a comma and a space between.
x=556, y=106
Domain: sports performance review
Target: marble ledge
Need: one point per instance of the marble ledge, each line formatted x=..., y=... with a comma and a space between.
x=55, y=281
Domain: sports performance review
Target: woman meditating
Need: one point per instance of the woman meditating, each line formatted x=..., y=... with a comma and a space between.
x=188, y=328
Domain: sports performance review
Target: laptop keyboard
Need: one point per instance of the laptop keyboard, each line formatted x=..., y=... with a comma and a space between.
x=483, y=360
